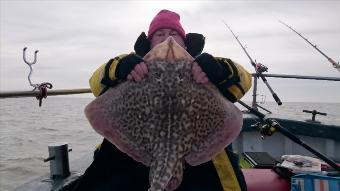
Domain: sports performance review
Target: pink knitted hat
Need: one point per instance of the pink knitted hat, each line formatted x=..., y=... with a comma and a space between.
x=166, y=19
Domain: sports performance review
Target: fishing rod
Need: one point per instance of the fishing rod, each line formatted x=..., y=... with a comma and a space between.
x=269, y=126
x=299, y=77
x=336, y=65
x=258, y=69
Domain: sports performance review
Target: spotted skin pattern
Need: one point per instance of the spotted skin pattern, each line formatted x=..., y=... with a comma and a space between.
x=165, y=120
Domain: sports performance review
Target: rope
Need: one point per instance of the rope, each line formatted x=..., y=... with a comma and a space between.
x=43, y=91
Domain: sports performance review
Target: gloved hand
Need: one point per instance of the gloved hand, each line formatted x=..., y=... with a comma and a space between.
x=131, y=67
x=138, y=73
x=215, y=71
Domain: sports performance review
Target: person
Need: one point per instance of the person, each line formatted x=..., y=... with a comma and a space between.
x=113, y=169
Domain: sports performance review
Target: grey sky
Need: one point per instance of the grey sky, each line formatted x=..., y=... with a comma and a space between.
x=76, y=37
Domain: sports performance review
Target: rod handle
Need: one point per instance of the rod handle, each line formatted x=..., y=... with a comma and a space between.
x=277, y=99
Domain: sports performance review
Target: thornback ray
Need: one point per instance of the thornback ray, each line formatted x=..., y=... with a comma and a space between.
x=167, y=118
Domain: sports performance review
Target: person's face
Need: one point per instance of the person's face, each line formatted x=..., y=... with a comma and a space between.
x=162, y=34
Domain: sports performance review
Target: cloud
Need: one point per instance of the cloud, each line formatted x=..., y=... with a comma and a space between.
x=76, y=37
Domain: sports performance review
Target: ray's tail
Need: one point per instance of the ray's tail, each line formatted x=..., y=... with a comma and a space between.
x=165, y=174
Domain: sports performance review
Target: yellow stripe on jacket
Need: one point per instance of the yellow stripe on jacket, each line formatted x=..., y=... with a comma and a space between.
x=96, y=78
x=226, y=172
x=244, y=76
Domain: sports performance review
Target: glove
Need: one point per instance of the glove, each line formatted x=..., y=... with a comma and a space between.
x=126, y=65
x=142, y=45
x=194, y=43
x=219, y=74
x=215, y=71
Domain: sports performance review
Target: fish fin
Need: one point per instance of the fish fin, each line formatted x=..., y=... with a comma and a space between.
x=211, y=142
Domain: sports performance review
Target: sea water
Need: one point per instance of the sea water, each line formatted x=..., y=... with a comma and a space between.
x=27, y=129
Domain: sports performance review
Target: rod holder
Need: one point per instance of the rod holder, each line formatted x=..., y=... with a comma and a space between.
x=58, y=158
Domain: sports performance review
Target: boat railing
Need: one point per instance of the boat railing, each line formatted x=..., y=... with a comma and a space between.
x=255, y=104
x=36, y=92
x=15, y=94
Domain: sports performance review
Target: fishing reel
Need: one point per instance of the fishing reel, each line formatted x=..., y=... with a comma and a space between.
x=265, y=129
x=261, y=68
